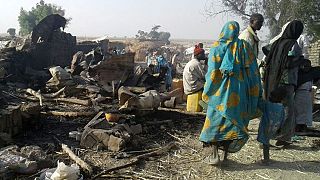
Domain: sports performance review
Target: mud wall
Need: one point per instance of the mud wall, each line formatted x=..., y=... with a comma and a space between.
x=314, y=53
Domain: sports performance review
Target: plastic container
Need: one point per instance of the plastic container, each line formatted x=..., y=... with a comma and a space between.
x=177, y=83
x=193, y=102
x=112, y=117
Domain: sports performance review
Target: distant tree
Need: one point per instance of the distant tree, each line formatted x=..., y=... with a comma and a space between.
x=29, y=19
x=164, y=36
x=276, y=12
x=155, y=28
x=154, y=35
x=141, y=35
x=11, y=32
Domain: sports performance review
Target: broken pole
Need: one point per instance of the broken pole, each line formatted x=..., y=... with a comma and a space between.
x=74, y=157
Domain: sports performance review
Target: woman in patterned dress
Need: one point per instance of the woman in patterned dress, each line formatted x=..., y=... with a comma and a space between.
x=232, y=91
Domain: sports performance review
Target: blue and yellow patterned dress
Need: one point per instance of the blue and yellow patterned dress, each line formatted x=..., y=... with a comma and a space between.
x=232, y=89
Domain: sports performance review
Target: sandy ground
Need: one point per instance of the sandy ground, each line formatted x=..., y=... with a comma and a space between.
x=300, y=161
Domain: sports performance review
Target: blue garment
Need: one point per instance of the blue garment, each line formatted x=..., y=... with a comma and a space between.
x=232, y=89
x=168, y=76
x=271, y=121
x=162, y=62
x=152, y=60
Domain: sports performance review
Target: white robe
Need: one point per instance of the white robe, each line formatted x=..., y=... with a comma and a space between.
x=193, y=77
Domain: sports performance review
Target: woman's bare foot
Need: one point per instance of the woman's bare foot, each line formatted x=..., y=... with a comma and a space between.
x=213, y=156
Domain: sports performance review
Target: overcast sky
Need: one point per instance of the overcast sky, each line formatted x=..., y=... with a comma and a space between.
x=182, y=18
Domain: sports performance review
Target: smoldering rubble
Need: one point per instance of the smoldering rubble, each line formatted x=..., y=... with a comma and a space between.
x=96, y=94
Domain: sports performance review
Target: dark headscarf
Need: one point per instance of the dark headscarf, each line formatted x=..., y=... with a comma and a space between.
x=277, y=59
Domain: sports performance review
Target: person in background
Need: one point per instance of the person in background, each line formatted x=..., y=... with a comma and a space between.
x=193, y=73
x=123, y=51
x=282, y=64
x=175, y=58
x=200, y=45
x=250, y=33
x=304, y=44
x=250, y=36
x=118, y=51
x=303, y=100
x=232, y=91
x=174, y=61
x=152, y=62
x=168, y=76
x=266, y=50
x=165, y=70
x=162, y=61
x=114, y=51
x=303, y=96
x=164, y=64
x=148, y=58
